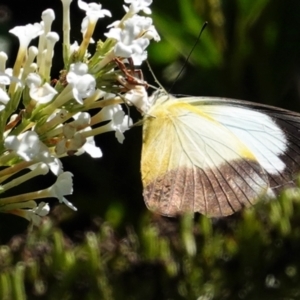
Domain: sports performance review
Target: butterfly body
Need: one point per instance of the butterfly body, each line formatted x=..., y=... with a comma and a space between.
x=215, y=156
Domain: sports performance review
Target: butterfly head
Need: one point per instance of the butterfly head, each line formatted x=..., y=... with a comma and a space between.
x=158, y=97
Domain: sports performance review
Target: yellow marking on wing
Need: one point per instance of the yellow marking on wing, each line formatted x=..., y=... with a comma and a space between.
x=175, y=108
x=162, y=136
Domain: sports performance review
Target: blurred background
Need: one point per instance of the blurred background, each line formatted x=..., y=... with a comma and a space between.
x=250, y=50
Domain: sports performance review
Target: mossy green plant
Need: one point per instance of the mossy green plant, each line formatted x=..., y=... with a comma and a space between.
x=251, y=255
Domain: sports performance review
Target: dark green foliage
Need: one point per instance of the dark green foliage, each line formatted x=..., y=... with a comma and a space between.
x=251, y=255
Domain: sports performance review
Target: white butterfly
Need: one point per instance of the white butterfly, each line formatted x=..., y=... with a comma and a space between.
x=216, y=155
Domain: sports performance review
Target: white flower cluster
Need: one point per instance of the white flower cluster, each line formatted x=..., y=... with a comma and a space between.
x=53, y=119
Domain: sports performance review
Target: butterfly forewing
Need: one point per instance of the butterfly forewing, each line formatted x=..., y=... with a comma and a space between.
x=274, y=132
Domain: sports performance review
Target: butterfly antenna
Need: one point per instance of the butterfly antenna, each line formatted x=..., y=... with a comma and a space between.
x=189, y=55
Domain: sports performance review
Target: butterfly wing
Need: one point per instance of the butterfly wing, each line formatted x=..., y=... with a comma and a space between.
x=191, y=162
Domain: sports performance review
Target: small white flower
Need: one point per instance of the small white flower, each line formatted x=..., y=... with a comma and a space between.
x=42, y=209
x=33, y=80
x=27, y=33
x=25, y=145
x=81, y=119
x=43, y=94
x=139, y=57
x=93, y=10
x=139, y=98
x=120, y=123
x=138, y=5
x=70, y=143
x=63, y=186
x=133, y=39
x=40, y=93
x=90, y=147
x=29, y=147
x=107, y=112
x=74, y=141
x=83, y=84
x=143, y=27
x=34, y=215
x=55, y=165
x=127, y=45
x=28, y=210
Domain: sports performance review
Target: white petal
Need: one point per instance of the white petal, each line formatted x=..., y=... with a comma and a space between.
x=4, y=98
